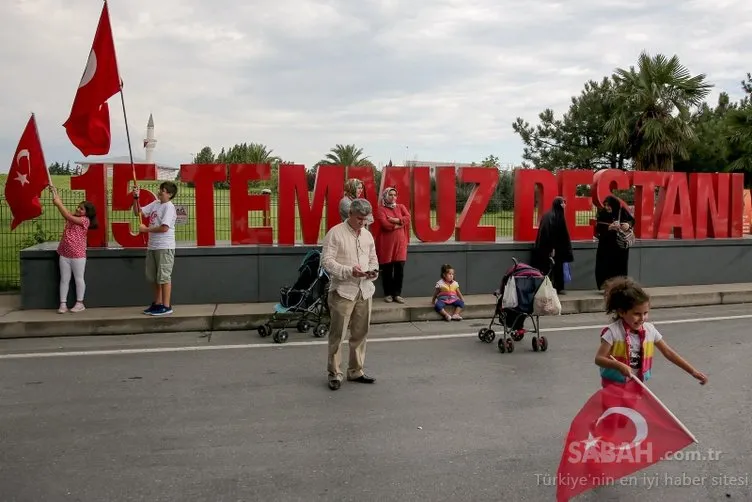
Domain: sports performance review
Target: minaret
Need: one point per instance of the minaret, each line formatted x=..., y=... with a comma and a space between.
x=149, y=141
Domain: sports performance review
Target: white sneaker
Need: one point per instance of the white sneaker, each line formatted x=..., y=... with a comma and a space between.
x=63, y=309
x=78, y=307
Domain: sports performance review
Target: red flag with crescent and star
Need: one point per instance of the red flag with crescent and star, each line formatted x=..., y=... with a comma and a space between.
x=88, y=126
x=27, y=177
x=620, y=430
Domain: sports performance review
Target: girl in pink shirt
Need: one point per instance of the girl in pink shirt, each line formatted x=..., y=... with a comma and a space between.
x=72, y=250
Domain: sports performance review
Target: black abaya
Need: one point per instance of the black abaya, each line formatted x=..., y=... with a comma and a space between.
x=553, y=238
x=611, y=260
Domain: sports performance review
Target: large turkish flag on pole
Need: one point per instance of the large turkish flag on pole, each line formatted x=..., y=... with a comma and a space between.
x=27, y=177
x=88, y=125
x=620, y=430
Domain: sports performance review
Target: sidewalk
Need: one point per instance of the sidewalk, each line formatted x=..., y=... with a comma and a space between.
x=15, y=323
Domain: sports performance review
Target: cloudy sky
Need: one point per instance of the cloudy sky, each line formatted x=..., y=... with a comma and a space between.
x=433, y=80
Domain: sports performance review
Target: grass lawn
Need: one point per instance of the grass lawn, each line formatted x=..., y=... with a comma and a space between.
x=49, y=225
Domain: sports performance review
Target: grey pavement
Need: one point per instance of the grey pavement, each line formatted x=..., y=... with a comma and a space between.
x=450, y=418
x=112, y=321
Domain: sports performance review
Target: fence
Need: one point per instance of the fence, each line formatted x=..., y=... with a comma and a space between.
x=49, y=226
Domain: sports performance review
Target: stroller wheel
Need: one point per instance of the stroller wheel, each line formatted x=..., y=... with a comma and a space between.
x=280, y=336
x=489, y=336
x=502, y=346
x=264, y=330
x=321, y=330
x=303, y=326
x=510, y=345
x=535, y=344
x=543, y=344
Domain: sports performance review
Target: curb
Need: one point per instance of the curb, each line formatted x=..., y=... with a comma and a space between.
x=207, y=318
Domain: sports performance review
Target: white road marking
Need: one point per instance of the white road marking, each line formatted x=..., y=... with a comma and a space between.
x=410, y=338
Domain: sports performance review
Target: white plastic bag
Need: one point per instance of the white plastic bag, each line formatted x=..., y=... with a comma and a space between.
x=546, y=301
x=509, y=300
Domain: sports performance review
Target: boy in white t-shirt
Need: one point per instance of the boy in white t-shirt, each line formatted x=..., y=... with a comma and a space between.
x=160, y=252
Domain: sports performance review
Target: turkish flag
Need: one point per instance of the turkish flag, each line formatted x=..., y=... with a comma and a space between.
x=620, y=430
x=27, y=177
x=88, y=125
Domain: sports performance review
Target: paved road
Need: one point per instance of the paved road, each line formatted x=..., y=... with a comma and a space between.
x=450, y=418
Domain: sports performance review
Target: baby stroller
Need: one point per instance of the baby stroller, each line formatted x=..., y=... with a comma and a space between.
x=512, y=320
x=304, y=302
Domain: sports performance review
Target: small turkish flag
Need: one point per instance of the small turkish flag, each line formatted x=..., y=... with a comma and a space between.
x=27, y=177
x=88, y=125
x=620, y=430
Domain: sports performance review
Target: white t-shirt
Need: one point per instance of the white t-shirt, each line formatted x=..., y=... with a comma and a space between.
x=161, y=214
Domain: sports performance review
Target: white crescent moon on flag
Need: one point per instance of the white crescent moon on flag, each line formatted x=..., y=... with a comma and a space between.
x=91, y=69
x=24, y=154
x=641, y=425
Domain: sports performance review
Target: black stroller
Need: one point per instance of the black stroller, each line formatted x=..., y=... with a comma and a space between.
x=527, y=282
x=304, y=302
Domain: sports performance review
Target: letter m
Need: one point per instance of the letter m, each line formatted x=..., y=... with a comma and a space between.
x=293, y=191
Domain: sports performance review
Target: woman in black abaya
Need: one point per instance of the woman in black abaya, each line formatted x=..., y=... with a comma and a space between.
x=611, y=260
x=553, y=241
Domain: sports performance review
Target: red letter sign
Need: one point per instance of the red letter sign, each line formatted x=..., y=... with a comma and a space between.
x=241, y=202
x=736, y=222
x=365, y=175
x=569, y=180
x=94, y=182
x=606, y=181
x=526, y=181
x=203, y=177
x=710, y=195
x=674, y=209
x=645, y=183
x=446, y=204
x=293, y=185
x=122, y=200
x=468, y=228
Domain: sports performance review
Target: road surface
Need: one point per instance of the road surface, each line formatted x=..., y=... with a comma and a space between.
x=238, y=418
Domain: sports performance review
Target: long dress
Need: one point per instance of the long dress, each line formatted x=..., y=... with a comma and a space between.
x=611, y=260
x=553, y=237
x=391, y=247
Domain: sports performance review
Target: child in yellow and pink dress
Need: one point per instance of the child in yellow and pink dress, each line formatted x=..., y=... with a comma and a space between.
x=447, y=293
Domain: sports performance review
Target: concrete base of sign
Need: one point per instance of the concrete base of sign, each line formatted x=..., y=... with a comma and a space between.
x=249, y=274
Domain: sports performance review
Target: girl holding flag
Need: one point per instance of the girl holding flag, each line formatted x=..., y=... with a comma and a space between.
x=72, y=249
x=627, y=345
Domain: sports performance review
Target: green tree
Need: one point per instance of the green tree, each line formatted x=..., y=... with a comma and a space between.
x=577, y=140
x=653, y=110
x=345, y=155
x=739, y=122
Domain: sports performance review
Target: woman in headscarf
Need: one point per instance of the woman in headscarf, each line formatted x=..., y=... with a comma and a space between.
x=391, y=243
x=353, y=190
x=553, y=241
x=611, y=260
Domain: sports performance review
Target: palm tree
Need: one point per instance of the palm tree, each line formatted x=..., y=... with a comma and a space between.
x=652, y=119
x=739, y=122
x=345, y=155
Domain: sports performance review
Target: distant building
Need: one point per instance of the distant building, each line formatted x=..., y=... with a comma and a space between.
x=164, y=172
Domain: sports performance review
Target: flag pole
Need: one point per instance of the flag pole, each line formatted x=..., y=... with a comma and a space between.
x=46, y=167
x=127, y=133
x=665, y=408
